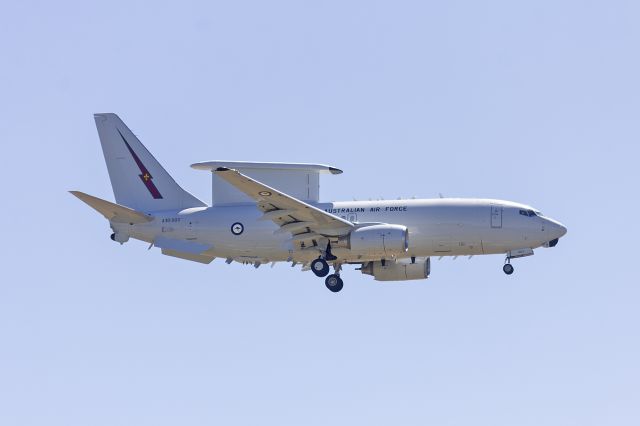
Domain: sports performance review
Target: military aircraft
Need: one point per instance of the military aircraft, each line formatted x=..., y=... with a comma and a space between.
x=270, y=212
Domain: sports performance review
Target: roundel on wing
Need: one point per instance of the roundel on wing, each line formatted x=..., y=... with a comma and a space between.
x=237, y=228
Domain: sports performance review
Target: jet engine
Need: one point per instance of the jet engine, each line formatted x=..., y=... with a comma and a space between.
x=120, y=237
x=398, y=271
x=377, y=240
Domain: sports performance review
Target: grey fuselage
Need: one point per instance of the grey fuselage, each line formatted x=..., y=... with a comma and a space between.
x=436, y=227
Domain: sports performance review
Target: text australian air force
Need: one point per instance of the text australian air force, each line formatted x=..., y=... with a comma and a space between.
x=370, y=209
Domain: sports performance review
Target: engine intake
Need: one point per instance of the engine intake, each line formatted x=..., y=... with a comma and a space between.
x=120, y=237
x=398, y=271
x=379, y=240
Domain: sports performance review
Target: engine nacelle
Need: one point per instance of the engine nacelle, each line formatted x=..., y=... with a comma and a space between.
x=383, y=241
x=398, y=271
x=120, y=237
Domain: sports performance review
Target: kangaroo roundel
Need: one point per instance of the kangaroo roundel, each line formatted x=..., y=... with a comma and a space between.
x=237, y=228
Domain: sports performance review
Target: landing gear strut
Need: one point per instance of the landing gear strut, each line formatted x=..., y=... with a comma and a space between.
x=334, y=283
x=328, y=255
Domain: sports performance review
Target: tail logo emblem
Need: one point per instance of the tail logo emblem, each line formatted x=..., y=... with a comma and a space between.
x=145, y=176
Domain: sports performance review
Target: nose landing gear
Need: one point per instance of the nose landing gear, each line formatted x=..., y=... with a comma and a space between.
x=515, y=254
x=507, y=268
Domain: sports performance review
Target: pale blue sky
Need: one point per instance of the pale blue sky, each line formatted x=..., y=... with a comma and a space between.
x=537, y=102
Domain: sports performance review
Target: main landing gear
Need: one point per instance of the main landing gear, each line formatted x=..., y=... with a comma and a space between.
x=334, y=283
x=320, y=268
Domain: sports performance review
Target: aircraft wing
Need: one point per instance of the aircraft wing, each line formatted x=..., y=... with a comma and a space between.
x=302, y=220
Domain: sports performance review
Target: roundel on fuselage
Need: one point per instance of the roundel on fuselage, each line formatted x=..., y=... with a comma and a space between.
x=237, y=228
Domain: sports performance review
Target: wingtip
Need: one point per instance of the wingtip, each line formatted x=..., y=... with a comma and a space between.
x=82, y=196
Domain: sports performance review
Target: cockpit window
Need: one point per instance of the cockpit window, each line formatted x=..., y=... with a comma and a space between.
x=527, y=213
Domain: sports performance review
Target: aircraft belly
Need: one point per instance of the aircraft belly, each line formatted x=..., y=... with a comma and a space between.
x=264, y=245
x=503, y=240
x=447, y=239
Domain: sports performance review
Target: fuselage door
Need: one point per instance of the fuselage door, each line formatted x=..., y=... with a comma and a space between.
x=190, y=225
x=496, y=216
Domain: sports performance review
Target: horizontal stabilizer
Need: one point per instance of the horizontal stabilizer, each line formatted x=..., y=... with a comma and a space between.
x=188, y=247
x=113, y=212
x=201, y=258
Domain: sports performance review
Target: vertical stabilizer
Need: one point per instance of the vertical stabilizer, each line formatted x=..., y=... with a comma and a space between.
x=138, y=180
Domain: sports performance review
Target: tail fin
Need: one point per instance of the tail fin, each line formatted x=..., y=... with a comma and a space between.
x=138, y=180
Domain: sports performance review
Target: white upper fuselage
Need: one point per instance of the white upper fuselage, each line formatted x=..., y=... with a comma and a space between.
x=437, y=227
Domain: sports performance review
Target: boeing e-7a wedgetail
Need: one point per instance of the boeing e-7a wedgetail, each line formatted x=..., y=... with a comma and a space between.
x=270, y=212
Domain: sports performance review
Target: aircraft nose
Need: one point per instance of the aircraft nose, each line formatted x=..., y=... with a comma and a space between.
x=562, y=229
x=557, y=229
